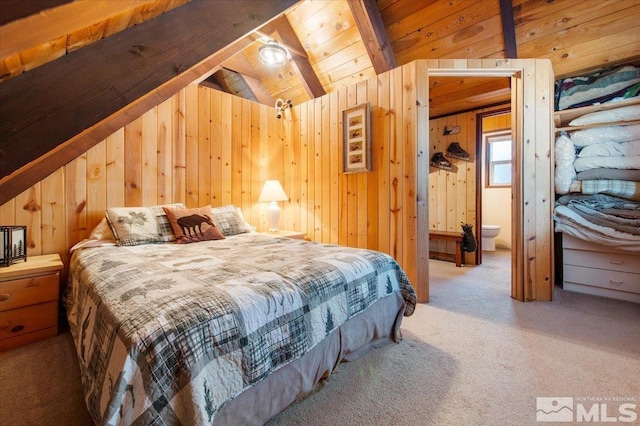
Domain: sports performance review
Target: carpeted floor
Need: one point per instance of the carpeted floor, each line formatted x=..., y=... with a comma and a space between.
x=470, y=356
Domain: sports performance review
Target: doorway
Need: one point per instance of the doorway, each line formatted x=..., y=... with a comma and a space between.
x=532, y=126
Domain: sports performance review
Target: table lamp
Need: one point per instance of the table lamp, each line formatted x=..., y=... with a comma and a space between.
x=272, y=192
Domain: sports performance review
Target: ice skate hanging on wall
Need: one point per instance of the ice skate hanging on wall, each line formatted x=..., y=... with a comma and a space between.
x=356, y=139
x=455, y=151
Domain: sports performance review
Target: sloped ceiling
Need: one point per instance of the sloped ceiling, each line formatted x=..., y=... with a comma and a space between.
x=331, y=44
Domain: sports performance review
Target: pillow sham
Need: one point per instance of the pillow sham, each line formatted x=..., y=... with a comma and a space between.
x=192, y=225
x=229, y=220
x=133, y=225
x=164, y=226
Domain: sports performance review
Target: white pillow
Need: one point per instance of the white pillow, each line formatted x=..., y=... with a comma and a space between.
x=565, y=154
x=586, y=137
x=627, y=113
x=611, y=149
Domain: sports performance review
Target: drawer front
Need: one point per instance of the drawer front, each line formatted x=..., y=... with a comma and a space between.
x=611, y=261
x=26, y=320
x=614, y=280
x=28, y=291
x=25, y=339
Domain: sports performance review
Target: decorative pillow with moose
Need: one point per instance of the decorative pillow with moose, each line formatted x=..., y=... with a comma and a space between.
x=191, y=225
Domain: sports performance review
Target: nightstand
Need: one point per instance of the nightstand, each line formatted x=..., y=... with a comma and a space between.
x=29, y=293
x=299, y=235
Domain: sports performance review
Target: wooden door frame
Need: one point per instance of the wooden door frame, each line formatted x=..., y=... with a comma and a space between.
x=532, y=240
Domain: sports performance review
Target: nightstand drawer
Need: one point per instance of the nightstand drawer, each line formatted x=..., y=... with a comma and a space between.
x=25, y=339
x=16, y=322
x=28, y=291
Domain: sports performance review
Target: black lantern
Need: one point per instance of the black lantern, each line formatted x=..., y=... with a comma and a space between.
x=14, y=244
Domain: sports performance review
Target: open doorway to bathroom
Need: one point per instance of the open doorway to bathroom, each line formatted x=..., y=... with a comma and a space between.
x=494, y=146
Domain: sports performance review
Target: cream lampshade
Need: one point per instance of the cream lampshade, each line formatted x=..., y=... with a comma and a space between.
x=272, y=192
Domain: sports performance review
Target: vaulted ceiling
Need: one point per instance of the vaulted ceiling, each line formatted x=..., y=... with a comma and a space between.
x=78, y=70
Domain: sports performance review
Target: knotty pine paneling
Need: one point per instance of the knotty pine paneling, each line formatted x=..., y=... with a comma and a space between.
x=375, y=210
x=206, y=147
x=186, y=149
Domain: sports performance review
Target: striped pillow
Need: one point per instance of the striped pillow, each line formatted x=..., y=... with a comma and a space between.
x=229, y=220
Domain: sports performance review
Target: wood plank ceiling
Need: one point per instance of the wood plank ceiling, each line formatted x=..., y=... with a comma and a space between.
x=331, y=44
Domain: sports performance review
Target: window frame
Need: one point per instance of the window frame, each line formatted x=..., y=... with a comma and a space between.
x=502, y=136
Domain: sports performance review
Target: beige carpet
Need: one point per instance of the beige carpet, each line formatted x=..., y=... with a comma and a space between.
x=471, y=356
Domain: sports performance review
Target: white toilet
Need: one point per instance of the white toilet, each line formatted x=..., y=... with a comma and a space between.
x=489, y=233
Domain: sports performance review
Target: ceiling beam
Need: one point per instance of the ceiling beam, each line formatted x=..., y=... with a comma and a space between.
x=373, y=33
x=259, y=91
x=57, y=111
x=288, y=37
x=508, y=29
x=240, y=64
x=17, y=9
x=299, y=60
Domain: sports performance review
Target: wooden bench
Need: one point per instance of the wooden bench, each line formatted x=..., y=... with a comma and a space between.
x=448, y=236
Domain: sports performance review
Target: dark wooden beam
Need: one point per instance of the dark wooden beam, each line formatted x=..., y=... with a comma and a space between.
x=299, y=60
x=240, y=64
x=508, y=29
x=212, y=83
x=57, y=111
x=259, y=91
x=307, y=75
x=288, y=37
x=16, y=9
x=374, y=34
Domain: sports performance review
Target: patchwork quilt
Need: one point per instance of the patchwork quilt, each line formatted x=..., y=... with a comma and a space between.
x=166, y=333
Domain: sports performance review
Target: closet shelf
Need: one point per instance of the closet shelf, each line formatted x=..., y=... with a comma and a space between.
x=562, y=118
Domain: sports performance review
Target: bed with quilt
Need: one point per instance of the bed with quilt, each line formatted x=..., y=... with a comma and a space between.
x=228, y=330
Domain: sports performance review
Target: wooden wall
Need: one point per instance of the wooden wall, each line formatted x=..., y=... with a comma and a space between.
x=193, y=148
x=206, y=147
x=378, y=209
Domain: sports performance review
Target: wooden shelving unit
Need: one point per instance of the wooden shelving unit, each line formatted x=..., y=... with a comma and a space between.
x=562, y=118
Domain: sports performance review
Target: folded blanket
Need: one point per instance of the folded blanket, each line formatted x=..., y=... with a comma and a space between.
x=611, y=149
x=596, y=88
x=573, y=224
x=601, y=202
x=620, y=188
x=607, y=162
x=609, y=174
x=630, y=226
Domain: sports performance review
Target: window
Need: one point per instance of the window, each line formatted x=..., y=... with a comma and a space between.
x=498, y=159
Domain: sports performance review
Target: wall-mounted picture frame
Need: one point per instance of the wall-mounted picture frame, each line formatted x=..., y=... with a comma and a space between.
x=356, y=139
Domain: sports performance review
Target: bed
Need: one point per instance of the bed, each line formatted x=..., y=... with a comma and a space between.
x=226, y=331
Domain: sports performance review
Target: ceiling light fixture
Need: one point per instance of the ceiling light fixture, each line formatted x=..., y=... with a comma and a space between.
x=272, y=54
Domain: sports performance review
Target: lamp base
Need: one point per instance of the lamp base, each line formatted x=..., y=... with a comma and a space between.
x=273, y=214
